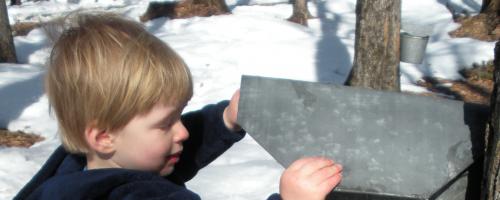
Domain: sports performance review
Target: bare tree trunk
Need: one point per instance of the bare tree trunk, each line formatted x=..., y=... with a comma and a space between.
x=376, y=57
x=300, y=12
x=15, y=2
x=491, y=177
x=490, y=6
x=7, y=51
x=491, y=9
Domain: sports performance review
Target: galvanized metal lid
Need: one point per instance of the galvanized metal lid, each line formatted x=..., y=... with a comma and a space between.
x=392, y=145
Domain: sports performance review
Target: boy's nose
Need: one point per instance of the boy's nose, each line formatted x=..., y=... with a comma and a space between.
x=181, y=133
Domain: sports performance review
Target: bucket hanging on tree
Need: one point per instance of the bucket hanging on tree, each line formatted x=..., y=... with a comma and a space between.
x=412, y=48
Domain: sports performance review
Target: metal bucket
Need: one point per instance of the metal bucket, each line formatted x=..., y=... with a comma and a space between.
x=412, y=48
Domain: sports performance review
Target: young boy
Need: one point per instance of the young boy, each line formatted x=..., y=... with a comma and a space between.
x=118, y=93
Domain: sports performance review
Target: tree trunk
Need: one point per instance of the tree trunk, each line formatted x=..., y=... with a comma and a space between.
x=300, y=12
x=490, y=6
x=491, y=177
x=491, y=9
x=7, y=51
x=15, y=2
x=376, y=57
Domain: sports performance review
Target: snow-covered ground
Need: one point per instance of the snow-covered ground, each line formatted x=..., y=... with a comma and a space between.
x=256, y=39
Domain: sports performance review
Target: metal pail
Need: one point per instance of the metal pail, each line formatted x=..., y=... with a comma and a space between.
x=412, y=48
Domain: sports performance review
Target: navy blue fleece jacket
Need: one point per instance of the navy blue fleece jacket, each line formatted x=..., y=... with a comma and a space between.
x=63, y=177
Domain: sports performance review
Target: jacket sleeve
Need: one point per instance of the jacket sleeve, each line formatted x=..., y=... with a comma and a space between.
x=208, y=139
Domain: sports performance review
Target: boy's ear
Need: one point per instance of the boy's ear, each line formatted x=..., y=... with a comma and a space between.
x=99, y=140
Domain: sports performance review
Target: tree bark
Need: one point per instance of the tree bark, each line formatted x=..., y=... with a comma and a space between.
x=15, y=2
x=492, y=11
x=300, y=12
x=490, y=6
x=376, y=57
x=491, y=177
x=7, y=51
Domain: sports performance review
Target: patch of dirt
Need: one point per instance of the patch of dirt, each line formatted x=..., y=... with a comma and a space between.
x=23, y=28
x=18, y=139
x=475, y=88
x=183, y=9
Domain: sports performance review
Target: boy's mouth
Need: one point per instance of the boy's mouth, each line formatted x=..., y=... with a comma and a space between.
x=174, y=158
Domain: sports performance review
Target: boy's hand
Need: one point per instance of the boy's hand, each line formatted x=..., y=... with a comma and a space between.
x=231, y=113
x=310, y=178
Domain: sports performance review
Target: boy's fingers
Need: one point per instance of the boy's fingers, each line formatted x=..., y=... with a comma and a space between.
x=330, y=183
x=231, y=112
x=315, y=165
x=327, y=172
x=236, y=95
x=234, y=103
x=305, y=161
x=296, y=165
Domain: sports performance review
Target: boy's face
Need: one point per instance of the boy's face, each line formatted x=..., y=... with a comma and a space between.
x=151, y=142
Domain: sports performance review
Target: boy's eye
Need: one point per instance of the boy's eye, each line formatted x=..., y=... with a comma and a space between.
x=167, y=125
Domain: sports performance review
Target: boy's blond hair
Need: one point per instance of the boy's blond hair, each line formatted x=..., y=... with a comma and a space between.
x=104, y=70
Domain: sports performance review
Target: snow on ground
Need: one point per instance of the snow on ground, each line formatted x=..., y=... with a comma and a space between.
x=254, y=40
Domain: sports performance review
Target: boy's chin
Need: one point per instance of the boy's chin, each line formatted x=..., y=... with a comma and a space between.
x=167, y=170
